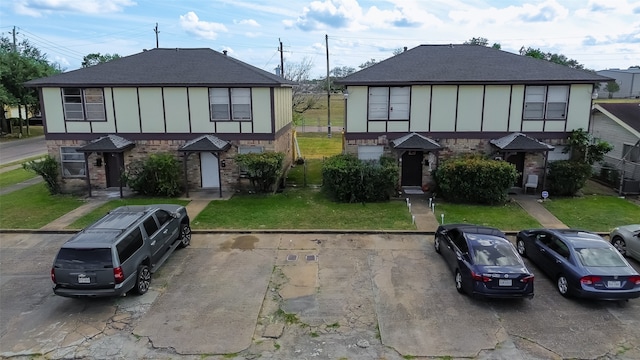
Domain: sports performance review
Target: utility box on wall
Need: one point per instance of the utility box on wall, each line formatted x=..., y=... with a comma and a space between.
x=631, y=186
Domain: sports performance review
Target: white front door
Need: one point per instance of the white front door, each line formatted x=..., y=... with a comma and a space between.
x=209, y=170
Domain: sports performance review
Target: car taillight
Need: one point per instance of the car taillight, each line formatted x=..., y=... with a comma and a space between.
x=527, y=279
x=590, y=279
x=53, y=275
x=635, y=279
x=479, y=277
x=118, y=275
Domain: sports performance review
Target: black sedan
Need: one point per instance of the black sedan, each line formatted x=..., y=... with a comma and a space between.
x=484, y=262
x=581, y=263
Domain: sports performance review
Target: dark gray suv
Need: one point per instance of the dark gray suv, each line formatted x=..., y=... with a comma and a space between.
x=119, y=252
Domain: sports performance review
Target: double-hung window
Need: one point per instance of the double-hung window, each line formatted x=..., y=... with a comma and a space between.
x=230, y=103
x=72, y=162
x=83, y=104
x=546, y=102
x=631, y=153
x=389, y=103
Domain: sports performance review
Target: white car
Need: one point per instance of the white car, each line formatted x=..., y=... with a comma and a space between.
x=627, y=240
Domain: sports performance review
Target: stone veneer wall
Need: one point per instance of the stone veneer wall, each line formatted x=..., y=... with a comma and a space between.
x=533, y=163
x=229, y=175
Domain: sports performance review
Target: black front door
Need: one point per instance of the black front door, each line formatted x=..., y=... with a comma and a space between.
x=412, y=168
x=517, y=160
x=113, y=164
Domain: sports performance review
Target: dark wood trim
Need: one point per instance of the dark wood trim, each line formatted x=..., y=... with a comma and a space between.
x=455, y=116
x=509, y=109
x=164, y=109
x=484, y=94
x=457, y=135
x=189, y=107
x=166, y=136
x=139, y=109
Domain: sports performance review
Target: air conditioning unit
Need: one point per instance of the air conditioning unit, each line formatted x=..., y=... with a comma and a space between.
x=631, y=186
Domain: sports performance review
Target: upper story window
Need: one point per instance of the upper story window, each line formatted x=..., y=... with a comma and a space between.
x=389, y=103
x=546, y=102
x=631, y=153
x=83, y=104
x=230, y=103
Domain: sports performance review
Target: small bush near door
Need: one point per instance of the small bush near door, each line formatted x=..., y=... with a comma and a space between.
x=348, y=179
x=157, y=175
x=475, y=180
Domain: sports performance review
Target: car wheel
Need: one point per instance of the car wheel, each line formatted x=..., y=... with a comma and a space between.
x=620, y=245
x=185, y=235
x=436, y=244
x=143, y=279
x=522, y=250
x=563, y=285
x=458, y=279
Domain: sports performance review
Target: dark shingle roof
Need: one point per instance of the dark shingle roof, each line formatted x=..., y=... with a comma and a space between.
x=415, y=141
x=205, y=143
x=629, y=113
x=167, y=67
x=520, y=142
x=108, y=143
x=466, y=64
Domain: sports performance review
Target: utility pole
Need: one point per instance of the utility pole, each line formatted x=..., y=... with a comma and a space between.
x=14, y=39
x=157, y=32
x=326, y=40
x=281, y=59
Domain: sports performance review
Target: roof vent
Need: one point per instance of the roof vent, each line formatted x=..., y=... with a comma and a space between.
x=224, y=52
x=451, y=45
x=405, y=48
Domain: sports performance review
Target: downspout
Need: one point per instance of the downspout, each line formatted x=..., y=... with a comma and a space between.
x=186, y=182
x=219, y=174
x=120, y=169
x=544, y=175
x=86, y=171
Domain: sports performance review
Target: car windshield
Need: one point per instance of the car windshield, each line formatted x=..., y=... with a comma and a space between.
x=600, y=257
x=494, y=253
x=84, y=258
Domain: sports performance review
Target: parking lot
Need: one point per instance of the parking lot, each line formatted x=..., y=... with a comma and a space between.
x=299, y=296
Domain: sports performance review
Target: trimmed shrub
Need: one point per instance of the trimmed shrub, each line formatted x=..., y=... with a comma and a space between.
x=263, y=169
x=157, y=175
x=566, y=177
x=475, y=179
x=347, y=179
x=48, y=168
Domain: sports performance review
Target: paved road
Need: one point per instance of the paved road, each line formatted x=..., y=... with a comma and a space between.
x=351, y=296
x=17, y=150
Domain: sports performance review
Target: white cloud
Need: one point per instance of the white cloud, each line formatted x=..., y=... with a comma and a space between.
x=247, y=22
x=204, y=29
x=39, y=8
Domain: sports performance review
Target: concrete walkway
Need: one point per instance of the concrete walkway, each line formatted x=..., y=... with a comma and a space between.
x=533, y=206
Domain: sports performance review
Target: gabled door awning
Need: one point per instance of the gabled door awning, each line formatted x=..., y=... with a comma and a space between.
x=520, y=142
x=108, y=143
x=205, y=143
x=415, y=141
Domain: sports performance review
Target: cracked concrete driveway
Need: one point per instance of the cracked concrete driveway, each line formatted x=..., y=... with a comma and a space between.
x=299, y=296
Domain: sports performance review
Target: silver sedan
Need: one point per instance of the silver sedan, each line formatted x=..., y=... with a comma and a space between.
x=627, y=240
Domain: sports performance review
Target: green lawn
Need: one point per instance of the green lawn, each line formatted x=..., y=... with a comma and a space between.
x=16, y=176
x=318, y=115
x=99, y=212
x=318, y=145
x=594, y=212
x=301, y=209
x=33, y=207
x=508, y=217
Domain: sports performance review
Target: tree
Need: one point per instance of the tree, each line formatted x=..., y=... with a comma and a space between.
x=551, y=57
x=17, y=67
x=97, y=58
x=367, y=64
x=612, y=87
x=340, y=72
x=482, y=42
x=583, y=147
x=305, y=94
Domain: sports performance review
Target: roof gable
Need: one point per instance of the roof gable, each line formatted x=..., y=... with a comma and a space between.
x=429, y=64
x=626, y=114
x=167, y=67
x=520, y=142
x=415, y=141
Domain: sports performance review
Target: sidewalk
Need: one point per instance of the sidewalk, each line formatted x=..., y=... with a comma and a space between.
x=533, y=206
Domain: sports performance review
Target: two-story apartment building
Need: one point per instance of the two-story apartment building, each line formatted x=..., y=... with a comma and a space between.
x=433, y=101
x=201, y=105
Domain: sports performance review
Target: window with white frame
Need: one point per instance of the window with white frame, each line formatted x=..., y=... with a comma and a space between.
x=631, y=153
x=83, y=104
x=389, y=103
x=72, y=161
x=230, y=103
x=370, y=152
x=546, y=102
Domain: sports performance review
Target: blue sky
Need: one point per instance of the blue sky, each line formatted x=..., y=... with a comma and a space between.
x=599, y=34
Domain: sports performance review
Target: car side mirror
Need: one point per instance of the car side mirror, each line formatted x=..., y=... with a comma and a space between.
x=175, y=215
